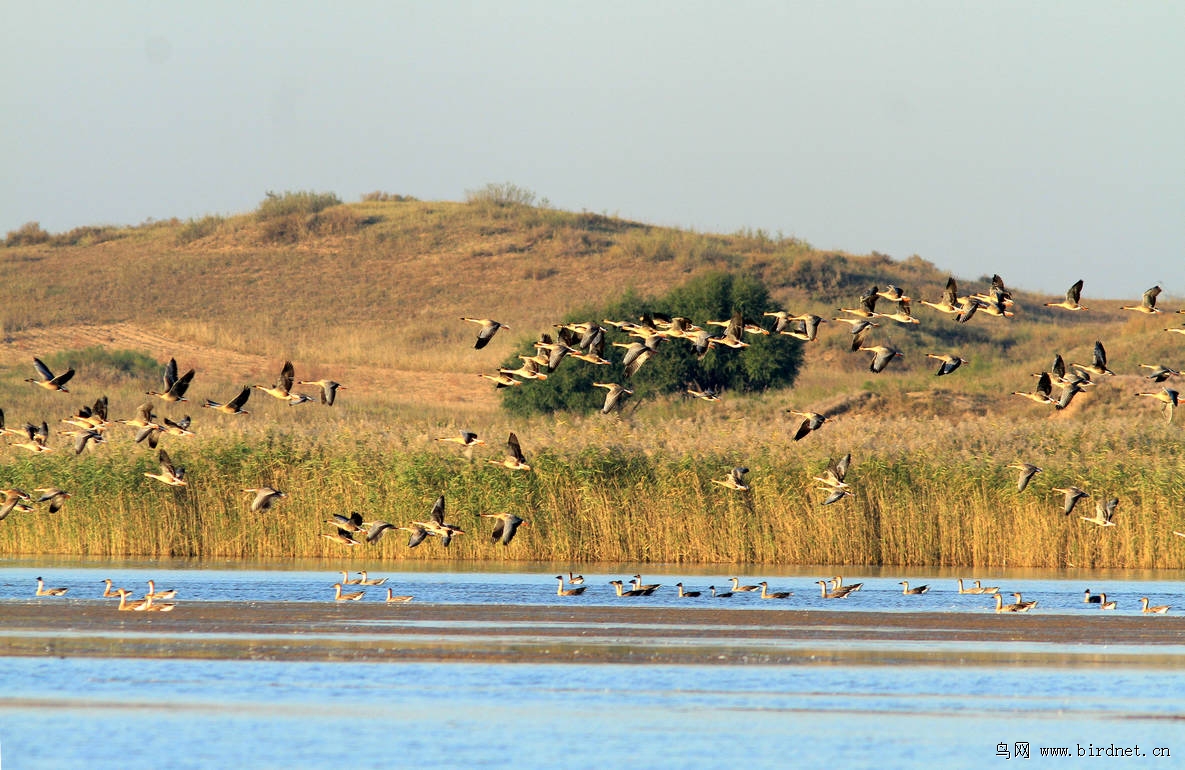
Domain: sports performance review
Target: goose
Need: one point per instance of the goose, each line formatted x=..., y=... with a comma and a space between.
x=1160, y=372
x=1147, y=304
x=514, y=459
x=719, y=594
x=735, y=479
x=687, y=594
x=574, y=591
x=836, y=495
x=1160, y=609
x=329, y=389
x=351, y=596
x=811, y=421
x=1027, y=472
x=501, y=380
x=466, y=439
x=376, y=531
x=47, y=379
x=987, y=589
x=38, y=438
x=150, y=605
x=709, y=393
x=52, y=495
x=435, y=526
x=351, y=523
x=12, y=498
x=177, y=428
x=283, y=387
x=737, y=587
x=1073, y=495
x=265, y=497
x=82, y=437
x=767, y=594
x=349, y=581
x=155, y=594
x=1024, y=606
x=950, y=303
x=913, y=591
x=1042, y=394
x=617, y=584
x=392, y=599
x=125, y=605
x=1089, y=598
x=1104, y=513
x=343, y=536
x=234, y=406
x=615, y=397
x=175, y=387
x=805, y=328
x=1106, y=605
x=575, y=579
x=903, y=314
x=1002, y=607
x=1098, y=364
x=649, y=588
x=883, y=354
x=836, y=584
x=528, y=371
x=169, y=474
x=831, y=594
x=109, y=592
x=867, y=308
x=1073, y=294
x=963, y=590
x=365, y=581
x=948, y=363
x=1169, y=399
x=489, y=328
x=505, y=527
x=43, y=591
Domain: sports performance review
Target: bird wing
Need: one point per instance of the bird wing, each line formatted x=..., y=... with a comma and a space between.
x=238, y=401
x=179, y=387
x=438, y=510
x=516, y=451
x=1074, y=293
x=42, y=370
x=170, y=374
x=417, y=536
x=287, y=377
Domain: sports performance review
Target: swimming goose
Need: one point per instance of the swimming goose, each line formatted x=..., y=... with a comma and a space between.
x=719, y=594
x=1002, y=607
x=1089, y=598
x=150, y=605
x=836, y=583
x=1027, y=472
x=392, y=599
x=169, y=474
x=617, y=584
x=1106, y=605
x=1160, y=609
x=735, y=479
x=46, y=379
x=109, y=592
x=1147, y=304
x=351, y=596
x=505, y=527
x=767, y=594
x=830, y=594
x=913, y=591
x=329, y=389
x=349, y=581
x=987, y=589
x=283, y=387
x=1024, y=606
x=265, y=497
x=43, y=591
x=175, y=387
x=155, y=594
x=649, y=588
x=740, y=588
x=687, y=594
x=575, y=591
x=125, y=605
x=234, y=406
x=575, y=579
x=365, y=581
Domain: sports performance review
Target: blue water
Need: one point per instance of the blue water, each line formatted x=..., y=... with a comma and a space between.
x=152, y=713
x=199, y=714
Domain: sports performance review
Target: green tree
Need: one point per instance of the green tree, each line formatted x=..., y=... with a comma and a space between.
x=768, y=362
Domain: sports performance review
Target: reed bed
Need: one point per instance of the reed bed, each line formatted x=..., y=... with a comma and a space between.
x=622, y=491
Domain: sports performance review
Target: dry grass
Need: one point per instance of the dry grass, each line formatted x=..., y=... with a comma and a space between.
x=375, y=304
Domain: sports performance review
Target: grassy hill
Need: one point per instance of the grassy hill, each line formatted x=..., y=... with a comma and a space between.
x=370, y=294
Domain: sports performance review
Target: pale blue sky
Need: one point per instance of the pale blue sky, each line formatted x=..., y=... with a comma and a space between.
x=1044, y=141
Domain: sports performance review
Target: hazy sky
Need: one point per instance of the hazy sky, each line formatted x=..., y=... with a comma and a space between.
x=1041, y=140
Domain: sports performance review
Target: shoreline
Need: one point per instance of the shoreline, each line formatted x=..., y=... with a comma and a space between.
x=423, y=632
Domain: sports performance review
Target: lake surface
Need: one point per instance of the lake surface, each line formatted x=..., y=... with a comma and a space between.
x=105, y=712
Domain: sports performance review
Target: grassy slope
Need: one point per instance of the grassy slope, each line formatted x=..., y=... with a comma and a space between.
x=371, y=295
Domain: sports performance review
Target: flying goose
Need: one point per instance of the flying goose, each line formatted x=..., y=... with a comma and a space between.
x=169, y=474
x=489, y=328
x=175, y=387
x=514, y=460
x=329, y=389
x=234, y=406
x=1147, y=304
x=283, y=387
x=1027, y=472
x=735, y=479
x=1104, y=513
x=505, y=527
x=46, y=379
x=265, y=497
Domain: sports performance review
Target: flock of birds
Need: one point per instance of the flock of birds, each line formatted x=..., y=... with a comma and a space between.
x=586, y=341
